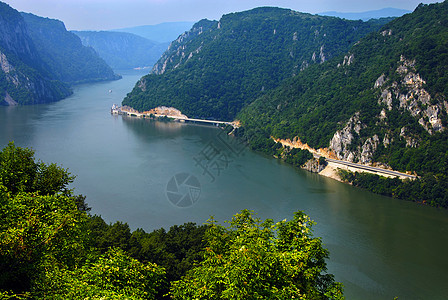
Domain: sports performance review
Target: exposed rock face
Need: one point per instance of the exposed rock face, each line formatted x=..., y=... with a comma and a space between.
x=176, y=55
x=406, y=95
x=342, y=139
x=22, y=70
x=348, y=60
x=411, y=96
x=9, y=100
x=313, y=165
x=6, y=67
x=322, y=54
x=368, y=149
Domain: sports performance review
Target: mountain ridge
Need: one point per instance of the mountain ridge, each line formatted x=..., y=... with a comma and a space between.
x=40, y=59
x=387, y=12
x=64, y=54
x=23, y=78
x=161, y=33
x=383, y=102
x=224, y=65
x=122, y=50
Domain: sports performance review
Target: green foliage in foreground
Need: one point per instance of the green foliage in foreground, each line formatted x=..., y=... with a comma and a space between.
x=51, y=248
x=113, y=275
x=260, y=260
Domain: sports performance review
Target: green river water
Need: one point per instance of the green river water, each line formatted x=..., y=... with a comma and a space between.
x=379, y=247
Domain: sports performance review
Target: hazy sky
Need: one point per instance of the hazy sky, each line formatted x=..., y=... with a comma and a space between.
x=110, y=14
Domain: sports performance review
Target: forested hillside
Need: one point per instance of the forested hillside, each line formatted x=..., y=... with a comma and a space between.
x=23, y=75
x=39, y=59
x=218, y=67
x=62, y=51
x=122, y=50
x=383, y=102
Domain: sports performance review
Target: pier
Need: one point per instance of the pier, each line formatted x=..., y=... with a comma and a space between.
x=177, y=116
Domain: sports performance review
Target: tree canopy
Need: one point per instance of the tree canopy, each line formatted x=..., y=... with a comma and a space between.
x=255, y=259
x=52, y=248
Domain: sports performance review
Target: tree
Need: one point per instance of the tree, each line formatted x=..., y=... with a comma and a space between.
x=36, y=231
x=113, y=275
x=17, y=168
x=19, y=172
x=252, y=259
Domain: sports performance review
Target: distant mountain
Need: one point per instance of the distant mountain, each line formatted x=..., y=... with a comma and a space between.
x=24, y=78
x=384, y=102
x=122, y=50
x=62, y=51
x=367, y=15
x=160, y=33
x=218, y=67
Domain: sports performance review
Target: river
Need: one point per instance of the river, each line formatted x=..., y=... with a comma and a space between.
x=129, y=170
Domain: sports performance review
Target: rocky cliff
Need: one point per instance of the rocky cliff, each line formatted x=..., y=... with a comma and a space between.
x=406, y=94
x=66, y=58
x=23, y=75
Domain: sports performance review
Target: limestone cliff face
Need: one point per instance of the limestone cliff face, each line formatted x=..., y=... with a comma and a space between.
x=23, y=85
x=343, y=139
x=407, y=95
x=313, y=165
x=412, y=96
x=14, y=37
x=23, y=79
x=181, y=49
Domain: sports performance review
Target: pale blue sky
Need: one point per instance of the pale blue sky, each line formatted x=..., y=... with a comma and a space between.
x=110, y=14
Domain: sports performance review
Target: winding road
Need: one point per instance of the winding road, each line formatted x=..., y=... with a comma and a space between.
x=368, y=168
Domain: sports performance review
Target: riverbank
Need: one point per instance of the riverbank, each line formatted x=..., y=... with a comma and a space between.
x=333, y=165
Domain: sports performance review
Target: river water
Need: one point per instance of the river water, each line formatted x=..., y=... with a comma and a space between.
x=132, y=170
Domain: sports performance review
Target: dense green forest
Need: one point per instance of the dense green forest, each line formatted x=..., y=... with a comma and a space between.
x=218, y=67
x=23, y=75
x=62, y=51
x=40, y=59
x=51, y=247
x=387, y=96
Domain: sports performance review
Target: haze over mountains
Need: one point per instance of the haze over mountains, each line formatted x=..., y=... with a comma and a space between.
x=367, y=15
x=135, y=47
x=160, y=33
x=40, y=59
x=122, y=50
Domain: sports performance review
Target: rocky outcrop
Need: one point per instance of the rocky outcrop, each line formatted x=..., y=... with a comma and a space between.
x=348, y=60
x=313, y=165
x=411, y=96
x=406, y=95
x=342, y=140
x=368, y=150
x=178, y=53
x=22, y=74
